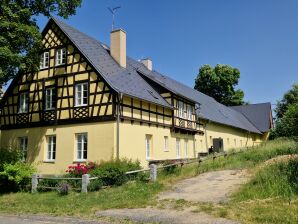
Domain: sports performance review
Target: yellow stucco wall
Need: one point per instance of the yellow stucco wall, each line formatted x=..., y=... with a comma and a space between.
x=101, y=144
x=132, y=142
x=232, y=137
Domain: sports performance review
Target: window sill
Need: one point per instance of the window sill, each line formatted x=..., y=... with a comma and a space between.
x=49, y=161
x=166, y=150
x=83, y=105
x=80, y=161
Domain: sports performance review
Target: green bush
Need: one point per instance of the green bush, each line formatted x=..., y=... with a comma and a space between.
x=174, y=169
x=15, y=176
x=43, y=184
x=113, y=172
x=9, y=156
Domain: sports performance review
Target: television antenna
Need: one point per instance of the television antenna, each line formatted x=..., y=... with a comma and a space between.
x=113, y=11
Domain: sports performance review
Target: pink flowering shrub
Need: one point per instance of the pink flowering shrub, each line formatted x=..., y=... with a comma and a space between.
x=79, y=169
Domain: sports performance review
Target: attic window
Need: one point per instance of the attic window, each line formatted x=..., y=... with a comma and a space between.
x=152, y=94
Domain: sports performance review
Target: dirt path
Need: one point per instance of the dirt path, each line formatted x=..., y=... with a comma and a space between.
x=152, y=215
x=40, y=219
x=213, y=187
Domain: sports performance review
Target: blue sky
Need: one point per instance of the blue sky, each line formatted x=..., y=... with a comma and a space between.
x=258, y=37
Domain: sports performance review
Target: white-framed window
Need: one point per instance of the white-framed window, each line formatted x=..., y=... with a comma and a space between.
x=177, y=148
x=228, y=141
x=81, y=94
x=186, y=148
x=180, y=109
x=23, y=144
x=148, y=146
x=51, y=147
x=50, y=102
x=82, y=146
x=44, y=60
x=189, y=112
x=166, y=143
x=235, y=142
x=23, y=103
x=61, y=56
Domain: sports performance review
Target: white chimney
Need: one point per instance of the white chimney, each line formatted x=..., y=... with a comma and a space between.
x=118, y=46
x=147, y=62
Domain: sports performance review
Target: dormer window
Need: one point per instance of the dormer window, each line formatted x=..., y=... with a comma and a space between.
x=189, y=112
x=44, y=60
x=23, y=103
x=81, y=94
x=180, y=109
x=61, y=56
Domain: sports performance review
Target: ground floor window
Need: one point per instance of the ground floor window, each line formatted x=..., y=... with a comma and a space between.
x=82, y=146
x=166, y=140
x=186, y=148
x=178, y=148
x=51, y=153
x=148, y=146
x=23, y=144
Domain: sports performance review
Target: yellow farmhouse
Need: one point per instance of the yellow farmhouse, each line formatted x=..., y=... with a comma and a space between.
x=91, y=102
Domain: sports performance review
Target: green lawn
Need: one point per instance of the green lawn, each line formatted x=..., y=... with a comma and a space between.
x=247, y=205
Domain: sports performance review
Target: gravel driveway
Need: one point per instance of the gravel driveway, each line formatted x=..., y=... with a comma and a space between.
x=213, y=187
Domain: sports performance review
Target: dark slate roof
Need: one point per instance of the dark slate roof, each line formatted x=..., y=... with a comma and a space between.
x=258, y=114
x=126, y=81
x=129, y=81
x=208, y=108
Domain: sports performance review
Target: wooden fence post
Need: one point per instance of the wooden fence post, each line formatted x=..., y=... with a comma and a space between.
x=34, y=183
x=85, y=182
x=153, y=172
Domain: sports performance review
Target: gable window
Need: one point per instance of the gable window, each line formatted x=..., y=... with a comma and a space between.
x=82, y=144
x=51, y=154
x=23, y=103
x=177, y=148
x=166, y=140
x=61, y=56
x=186, y=148
x=148, y=146
x=81, y=94
x=44, y=60
x=180, y=109
x=23, y=144
x=50, y=99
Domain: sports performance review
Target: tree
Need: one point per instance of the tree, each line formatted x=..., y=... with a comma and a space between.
x=289, y=98
x=287, y=126
x=219, y=82
x=20, y=39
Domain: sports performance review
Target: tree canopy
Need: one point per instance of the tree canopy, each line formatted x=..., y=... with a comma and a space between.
x=220, y=82
x=20, y=39
x=289, y=98
x=286, y=124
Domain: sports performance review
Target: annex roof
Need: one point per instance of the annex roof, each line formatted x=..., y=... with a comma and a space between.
x=258, y=114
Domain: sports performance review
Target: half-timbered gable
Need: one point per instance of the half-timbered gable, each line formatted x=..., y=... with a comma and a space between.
x=65, y=90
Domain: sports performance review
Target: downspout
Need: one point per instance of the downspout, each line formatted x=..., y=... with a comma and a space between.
x=120, y=96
